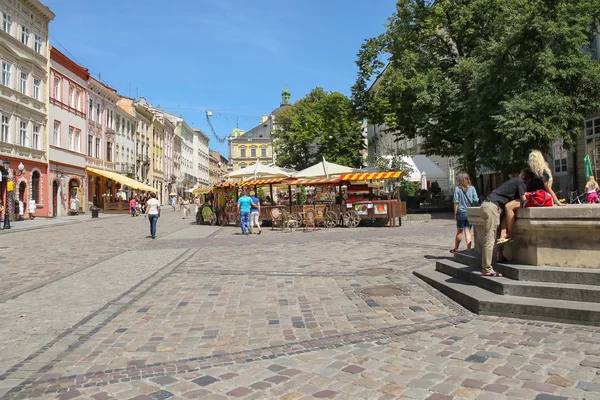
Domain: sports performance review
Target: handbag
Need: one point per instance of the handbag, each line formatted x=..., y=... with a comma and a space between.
x=539, y=198
x=471, y=203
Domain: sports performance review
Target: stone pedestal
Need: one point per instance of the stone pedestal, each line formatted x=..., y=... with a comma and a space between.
x=550, y=236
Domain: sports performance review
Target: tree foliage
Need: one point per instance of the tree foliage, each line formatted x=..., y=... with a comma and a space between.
x=319, y=125
x=484, y=80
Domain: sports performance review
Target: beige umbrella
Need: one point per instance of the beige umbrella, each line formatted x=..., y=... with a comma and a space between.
x=258, y=170
x=324, y=169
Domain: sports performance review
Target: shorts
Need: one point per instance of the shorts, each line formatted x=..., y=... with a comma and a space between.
x=592, y=197
x=462, y=221
x=254, y=218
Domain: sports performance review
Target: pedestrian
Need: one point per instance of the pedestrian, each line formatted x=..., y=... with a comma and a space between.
x=153, y=213
x=174, y=202
x=31, y=206
x=465, y=196
x=591, y=188
x=133, y=206
x=21, y=210
x=186, y=207
x=492, y=207
x=1, y=215
x=254, y=213
x=244, y=206
x=180, y=202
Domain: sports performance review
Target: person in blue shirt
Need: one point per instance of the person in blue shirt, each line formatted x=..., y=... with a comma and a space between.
x=465, y=196
x=255, y=213
x=244, y=207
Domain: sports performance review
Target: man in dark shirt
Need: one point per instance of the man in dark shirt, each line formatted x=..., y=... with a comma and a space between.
x=492, y=207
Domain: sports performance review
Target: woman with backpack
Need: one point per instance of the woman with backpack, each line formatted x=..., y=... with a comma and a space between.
x=465, y=196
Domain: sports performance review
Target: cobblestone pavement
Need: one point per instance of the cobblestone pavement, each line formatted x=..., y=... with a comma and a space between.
x=206, y=313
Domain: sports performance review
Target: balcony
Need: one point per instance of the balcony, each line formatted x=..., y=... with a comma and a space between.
x=110, y=131
x=127, y=168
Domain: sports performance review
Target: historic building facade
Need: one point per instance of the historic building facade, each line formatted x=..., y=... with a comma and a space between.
x=217, y=167
x=67, y=120
x=201, y=158
x=24, y=104
x=170, y=179
x=256, y=144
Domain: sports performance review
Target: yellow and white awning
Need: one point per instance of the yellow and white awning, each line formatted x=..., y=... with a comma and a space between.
x=123, y=180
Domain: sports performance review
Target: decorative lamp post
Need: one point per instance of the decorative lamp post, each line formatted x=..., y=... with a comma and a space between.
x=10, y=190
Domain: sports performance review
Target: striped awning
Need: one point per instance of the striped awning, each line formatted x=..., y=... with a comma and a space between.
x=368, y=176
x=259, y=182
x=229, y=184
x=203, y=190
x=309, y=182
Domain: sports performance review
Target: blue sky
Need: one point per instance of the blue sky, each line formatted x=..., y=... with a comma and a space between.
x=230, y=56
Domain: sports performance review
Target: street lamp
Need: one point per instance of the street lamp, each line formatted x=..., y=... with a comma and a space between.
x=10, y=187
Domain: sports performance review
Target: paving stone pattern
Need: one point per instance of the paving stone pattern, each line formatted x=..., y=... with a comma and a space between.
x=205, y=313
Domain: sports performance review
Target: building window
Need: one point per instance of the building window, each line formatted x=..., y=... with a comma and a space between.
x=71, y=138
x=253, y=151
x=97, y=148
x=4, y=130
x=592, y=141
x=6, y=23
x=6, y=67
x=23, y=84
x=242, y=152
x=78, y=100
x=57, y=88
x=263, y=151
x=36, y=89
x=451, y=163
x=78, y=141
x=109, y=151
x=98, y=113
x=91, y=111
x=23, y=133
x=90, y=143
x=35, y=186
x=36, y=137
x=25, y=35
x=118, y=124
x=71, y=96
x=56, y=134
x=560, y=157
x=37, y=44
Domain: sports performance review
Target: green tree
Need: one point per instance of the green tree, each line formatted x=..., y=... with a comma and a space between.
x=319, y=125
x=484, y=80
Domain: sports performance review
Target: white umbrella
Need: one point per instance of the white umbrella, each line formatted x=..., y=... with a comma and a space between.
x=258, y=170
x=423, y=180
x=324, y=169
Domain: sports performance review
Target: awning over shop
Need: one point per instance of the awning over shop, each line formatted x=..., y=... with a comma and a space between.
x=123, y=180
x=368, y=176
x=202, y=190
x=259, y=182
x=309, y=182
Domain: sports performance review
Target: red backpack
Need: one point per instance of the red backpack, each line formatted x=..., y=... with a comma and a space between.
x=539, y=198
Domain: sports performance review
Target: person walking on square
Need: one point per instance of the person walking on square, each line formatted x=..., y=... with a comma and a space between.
x=244, y=207
x=132, y=206
x=591, y=188
x=21, y=210
x=174, y=202
x=31, y=208
x=186, y=208
x=465, y=196
x=1, y=215
x=492, y=207
x=153, y=213
x=254, y=213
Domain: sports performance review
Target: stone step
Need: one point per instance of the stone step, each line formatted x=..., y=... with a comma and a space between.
x=484, y=302
x=511, y=287
x=580, y=276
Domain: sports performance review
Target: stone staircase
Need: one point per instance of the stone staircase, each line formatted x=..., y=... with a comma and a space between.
x=525, y=291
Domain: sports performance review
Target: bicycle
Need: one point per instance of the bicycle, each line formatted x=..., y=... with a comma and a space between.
x=575, y=197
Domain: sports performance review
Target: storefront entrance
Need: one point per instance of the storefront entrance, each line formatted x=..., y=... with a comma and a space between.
x=55, y=199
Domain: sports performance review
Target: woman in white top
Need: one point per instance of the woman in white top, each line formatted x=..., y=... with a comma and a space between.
x=591, y=189
x=186, y=208
x=153, y=213
x=31, y=208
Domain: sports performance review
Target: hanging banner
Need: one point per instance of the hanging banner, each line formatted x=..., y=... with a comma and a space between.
x=10, y=186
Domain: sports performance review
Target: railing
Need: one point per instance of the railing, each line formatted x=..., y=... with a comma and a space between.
x=127, y=168
x=67, y=107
